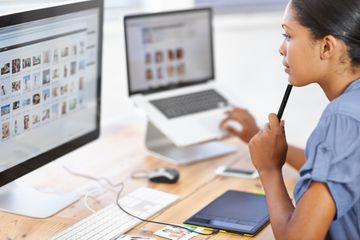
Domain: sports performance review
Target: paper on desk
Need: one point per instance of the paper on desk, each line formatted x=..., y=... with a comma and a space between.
x=134, y=237
x=174, y=233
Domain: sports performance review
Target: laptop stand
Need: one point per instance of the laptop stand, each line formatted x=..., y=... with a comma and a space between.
x=162, y=147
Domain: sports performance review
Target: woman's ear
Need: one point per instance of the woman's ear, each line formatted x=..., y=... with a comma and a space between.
x=329, y=47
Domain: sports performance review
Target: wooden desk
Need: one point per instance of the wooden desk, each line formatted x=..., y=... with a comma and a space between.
x=118, y=153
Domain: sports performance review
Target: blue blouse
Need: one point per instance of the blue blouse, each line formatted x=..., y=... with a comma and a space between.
x=333, y=157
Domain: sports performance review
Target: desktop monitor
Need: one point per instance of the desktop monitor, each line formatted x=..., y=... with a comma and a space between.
x=50, y=61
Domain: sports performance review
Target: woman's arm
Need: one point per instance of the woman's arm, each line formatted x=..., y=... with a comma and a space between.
x=315, y=210
x=311, y=218
x=295, y=157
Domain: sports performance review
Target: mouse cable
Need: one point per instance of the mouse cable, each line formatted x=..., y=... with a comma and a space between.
x=214, y=231
x=121, y=185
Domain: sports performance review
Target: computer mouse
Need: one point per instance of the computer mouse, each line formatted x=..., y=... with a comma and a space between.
x=164, y=175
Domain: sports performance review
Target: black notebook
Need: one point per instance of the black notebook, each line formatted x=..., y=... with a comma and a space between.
x=233, y=211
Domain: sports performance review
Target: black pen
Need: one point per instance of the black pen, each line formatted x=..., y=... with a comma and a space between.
x=284, y=101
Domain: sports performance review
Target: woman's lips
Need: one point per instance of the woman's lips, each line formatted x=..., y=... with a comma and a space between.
x=287, y=68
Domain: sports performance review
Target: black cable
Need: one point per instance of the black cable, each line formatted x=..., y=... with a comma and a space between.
x=214, y=231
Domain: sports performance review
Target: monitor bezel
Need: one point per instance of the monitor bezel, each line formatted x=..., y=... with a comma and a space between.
x=40, y=160
x=190, y=82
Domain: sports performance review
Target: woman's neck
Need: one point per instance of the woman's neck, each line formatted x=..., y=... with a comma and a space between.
x=335, y=84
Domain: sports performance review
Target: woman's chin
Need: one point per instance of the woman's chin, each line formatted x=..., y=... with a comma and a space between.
x=297, y=82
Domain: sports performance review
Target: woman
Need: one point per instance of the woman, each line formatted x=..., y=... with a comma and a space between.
x=322, y=45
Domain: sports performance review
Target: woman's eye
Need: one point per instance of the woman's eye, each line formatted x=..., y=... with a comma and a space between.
x=286, y=36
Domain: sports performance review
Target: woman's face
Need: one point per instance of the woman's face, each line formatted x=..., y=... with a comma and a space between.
x=300, y=51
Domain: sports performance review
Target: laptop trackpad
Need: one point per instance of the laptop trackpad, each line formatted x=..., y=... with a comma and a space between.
x=212, y=123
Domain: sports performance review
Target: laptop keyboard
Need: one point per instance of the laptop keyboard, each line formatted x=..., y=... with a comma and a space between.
x=182, y=105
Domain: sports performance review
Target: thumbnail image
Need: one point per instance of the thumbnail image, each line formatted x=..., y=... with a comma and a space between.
x=147, y=36
x=74, y=50
x=36, y=80
x=170, y=70
x=56, y=74
x=72, y=86
x=36, y=60
x=73, y=68
x=82, y=65
x=159, y=57
x=26, y=81
x=81, y=83
x=63, y=108
x=36, y=99
x=63, y=89
x=16, y=105
x=149, y=75
x=46, y=114
x=148, y=59
x=26, y=122
x=46, y=94
x=180, y=53
x=55, y=92
x=5, y=110
x=16, y=65
x=4, y=89
x=16, y=86
x=72, y=104
x=26, y=63
x=46, y=57
x=65, y=52
x=159, y=73
x=5, y=69
x=65, y=71
x=35, y=118
x=181, y=69
x=5, y=129
x=26, y=102
x=82, y=47
x=171, y=55
x=56, y=55
x=55, y=109
x=16, y=126
x=46, y=76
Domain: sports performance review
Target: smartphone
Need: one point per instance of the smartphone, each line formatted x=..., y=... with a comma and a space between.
x=236, y=172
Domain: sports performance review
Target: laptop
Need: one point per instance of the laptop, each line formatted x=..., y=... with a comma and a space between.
x=171, y=74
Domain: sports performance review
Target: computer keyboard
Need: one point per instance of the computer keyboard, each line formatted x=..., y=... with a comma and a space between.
x=190, y=103
x=111, y=222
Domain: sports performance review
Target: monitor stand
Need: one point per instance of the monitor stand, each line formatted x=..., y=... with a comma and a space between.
x=162, y=147
x=29, y=202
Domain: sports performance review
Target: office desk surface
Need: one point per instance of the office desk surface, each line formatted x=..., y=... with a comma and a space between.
x=118, y=153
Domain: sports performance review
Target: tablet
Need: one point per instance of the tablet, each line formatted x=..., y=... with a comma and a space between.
x=234, y=211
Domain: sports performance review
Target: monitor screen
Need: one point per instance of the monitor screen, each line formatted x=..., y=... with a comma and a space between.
x=168, y=50
x=50, y=62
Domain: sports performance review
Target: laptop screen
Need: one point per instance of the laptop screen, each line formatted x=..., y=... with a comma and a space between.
x=168, y=50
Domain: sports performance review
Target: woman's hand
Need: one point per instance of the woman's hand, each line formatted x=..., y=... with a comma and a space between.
x=268, y=147
x=245, y=119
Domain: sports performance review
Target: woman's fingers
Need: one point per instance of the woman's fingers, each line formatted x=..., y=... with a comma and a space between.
x=274, y=122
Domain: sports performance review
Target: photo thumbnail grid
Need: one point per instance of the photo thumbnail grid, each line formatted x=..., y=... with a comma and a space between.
x=41, y=87
x=168, y=63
